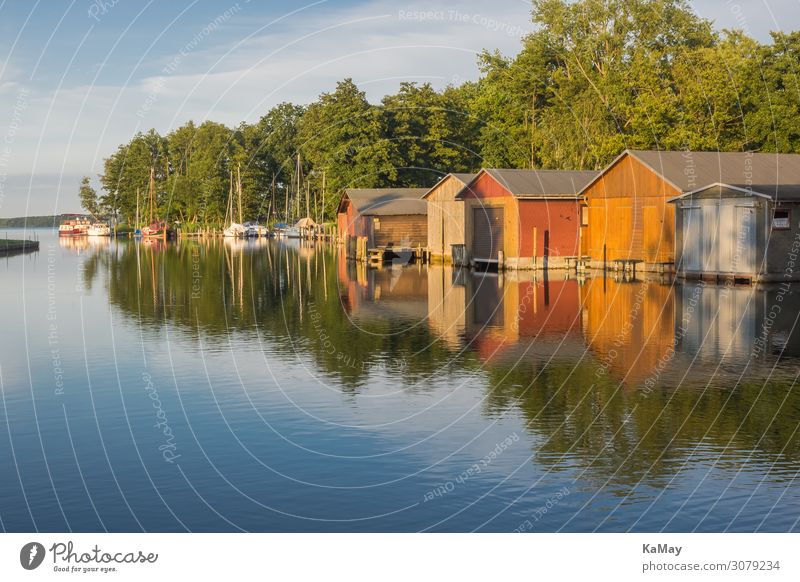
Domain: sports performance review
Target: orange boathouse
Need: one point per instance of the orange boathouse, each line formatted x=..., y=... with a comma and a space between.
x=630, y=217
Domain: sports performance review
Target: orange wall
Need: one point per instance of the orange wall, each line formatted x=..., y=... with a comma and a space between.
x=629, y=215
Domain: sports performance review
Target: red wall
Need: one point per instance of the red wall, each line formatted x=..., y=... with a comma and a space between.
x=486, y=187
x=341, y=223
x=554, y=310
x=560, y=217
x=351, y=223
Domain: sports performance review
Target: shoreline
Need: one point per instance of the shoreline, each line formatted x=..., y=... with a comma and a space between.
x=11, y=246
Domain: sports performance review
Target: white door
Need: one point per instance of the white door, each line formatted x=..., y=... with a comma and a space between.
x=746, y=239
x=692, y=254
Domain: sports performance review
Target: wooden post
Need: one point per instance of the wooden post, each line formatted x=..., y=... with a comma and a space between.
x=535, y=240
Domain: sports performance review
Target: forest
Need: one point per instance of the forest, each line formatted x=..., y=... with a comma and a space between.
x=596, y=77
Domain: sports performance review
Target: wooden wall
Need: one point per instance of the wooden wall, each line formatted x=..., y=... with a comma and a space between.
x=487, y=192
x=559, y=218
x=629, y=215
x=445, y=217
x=409, y=230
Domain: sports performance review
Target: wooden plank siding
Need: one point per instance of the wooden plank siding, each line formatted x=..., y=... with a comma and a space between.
x=560, y=219
x=486, y=192
x=557, y=220
x=445, y=217
x=629, y=217
x=401, y=230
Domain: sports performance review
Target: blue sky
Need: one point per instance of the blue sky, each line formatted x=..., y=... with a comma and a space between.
x=79, y=77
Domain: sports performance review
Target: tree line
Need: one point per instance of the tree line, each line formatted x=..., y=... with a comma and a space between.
x=596, y=77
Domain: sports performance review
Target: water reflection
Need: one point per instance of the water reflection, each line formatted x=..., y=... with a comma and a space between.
x=636, y=389
x=629, y=326
x=638, y=334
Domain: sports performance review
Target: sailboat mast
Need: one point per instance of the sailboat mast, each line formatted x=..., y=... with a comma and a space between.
x=152, y=193
x=271, y=198
x=229, y=208
x=308, y=192
x=298, y=185
x=239, y=189
x=287, y=193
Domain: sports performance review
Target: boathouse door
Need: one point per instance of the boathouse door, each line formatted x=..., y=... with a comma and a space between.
x=692, y=255
x=487, y=233
x=744, y=255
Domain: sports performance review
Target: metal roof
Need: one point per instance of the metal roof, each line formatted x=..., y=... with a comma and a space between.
x=774, y=175
x=540, y=183
x=387, y=201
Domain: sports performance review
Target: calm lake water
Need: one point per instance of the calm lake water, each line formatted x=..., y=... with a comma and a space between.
x=273, y=386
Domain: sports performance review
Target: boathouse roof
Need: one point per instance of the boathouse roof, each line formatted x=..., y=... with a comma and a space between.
x=539, y=183
x=386, y=201
x=773, y=175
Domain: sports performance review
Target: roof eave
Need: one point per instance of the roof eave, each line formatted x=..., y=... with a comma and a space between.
x=691, y=193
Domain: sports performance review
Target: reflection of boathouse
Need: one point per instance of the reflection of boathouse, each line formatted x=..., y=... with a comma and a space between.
x=732, y=325
x=396, y=293
x=629, y=327
x=447, y=292
x=523, y=316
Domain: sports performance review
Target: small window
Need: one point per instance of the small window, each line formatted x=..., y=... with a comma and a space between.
x=376, y=223
x=584, y=216
x=782, y=219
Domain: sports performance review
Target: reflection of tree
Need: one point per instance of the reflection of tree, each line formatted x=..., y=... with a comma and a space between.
x=289, y=294
x=358, y=325
x=627, y=436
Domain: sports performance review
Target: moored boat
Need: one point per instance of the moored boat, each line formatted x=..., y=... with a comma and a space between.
x=234, y=229
x=99, y=229
x=74, y=227
x=255, y=230
x=157, y=228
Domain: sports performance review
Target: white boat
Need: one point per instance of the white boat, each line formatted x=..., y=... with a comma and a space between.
x=292, y=232
x=99, y=229
x=235, y=230
x=74, y=227
x=255, y=230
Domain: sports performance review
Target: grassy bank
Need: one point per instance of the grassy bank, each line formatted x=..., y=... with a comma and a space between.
x=8, y=245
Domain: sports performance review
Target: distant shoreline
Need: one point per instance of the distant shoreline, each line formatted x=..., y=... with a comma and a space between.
x=50, y=221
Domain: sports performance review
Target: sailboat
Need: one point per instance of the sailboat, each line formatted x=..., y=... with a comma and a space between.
x=138, y=231
x=156, y=228
x=294, y=231
x=234, y=229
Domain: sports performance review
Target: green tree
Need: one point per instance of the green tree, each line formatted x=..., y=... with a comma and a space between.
x=88, y=197
x=424, y=134
x=341, y=132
